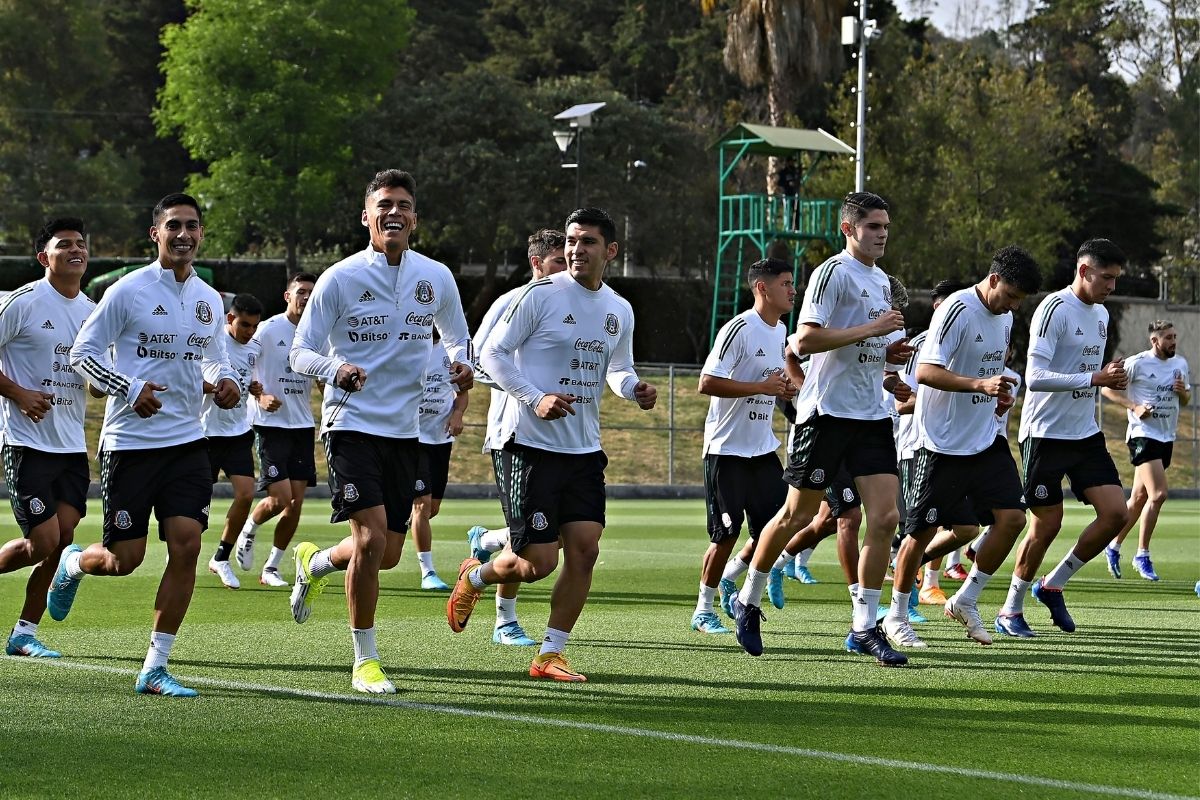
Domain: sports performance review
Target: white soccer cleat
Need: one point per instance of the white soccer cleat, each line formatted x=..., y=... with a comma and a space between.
x=224, y=571
x=369, y=678
x=900, y=632
x=968, y=615
x=271, y=577
x=245, y=552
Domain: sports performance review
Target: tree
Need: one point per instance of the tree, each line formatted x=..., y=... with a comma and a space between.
x=264, y=93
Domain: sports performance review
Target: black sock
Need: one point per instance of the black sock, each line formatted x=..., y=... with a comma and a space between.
x=223, y=551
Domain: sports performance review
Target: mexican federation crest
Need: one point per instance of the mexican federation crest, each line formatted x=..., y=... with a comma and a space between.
x=204, y=312
x=424, y=293
x=611, y=326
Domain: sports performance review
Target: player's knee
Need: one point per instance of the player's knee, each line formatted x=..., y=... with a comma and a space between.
x=1113, y=518
x=584, y=556
x=534, y=569
x=371, y=544
x=1158, y=497
x=389, y=560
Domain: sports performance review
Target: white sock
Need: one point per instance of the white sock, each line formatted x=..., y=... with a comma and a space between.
x=784, y=558
x=160, y=650
x=931, y=578
x=968, y=593
x=274, y=560
x=953, y=560
x=1115, y=546
x=1139, y=554
x=866, y=609
x=555, y=641
x=734, y=568
x=853, y=589
x=803, y=557
x=705, y=603
x=1063, y=572
x=494, y=541
x=23, y=628
x=74, y=571
x=364, y=644
x=506, y=610
x=899, y=607
x=752, y=589
x=426, y=560
x=250, y=528
x=978, y=543
x=322, y=564
x=475, y=576
x=1015, y=603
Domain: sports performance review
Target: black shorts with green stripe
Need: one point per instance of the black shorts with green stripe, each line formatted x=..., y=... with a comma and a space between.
x=741, y=488
x=546, y=490
x=1085, y=462
x=822, y=446
x=947, y=490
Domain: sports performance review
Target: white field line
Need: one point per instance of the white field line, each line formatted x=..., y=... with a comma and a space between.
x=622, y=730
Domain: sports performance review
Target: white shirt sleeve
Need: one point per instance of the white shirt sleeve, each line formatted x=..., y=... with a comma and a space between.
x=942, y=339
x=1039, y=378
x=214, y=360
x=821, y=297
x=498, y=356
x=729, y=350
x=485, y=327
x=90, y=355
x=621, y=376
x=307, y=355
x=452, y=325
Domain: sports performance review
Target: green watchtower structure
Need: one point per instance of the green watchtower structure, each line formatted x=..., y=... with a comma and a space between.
x=749, y=224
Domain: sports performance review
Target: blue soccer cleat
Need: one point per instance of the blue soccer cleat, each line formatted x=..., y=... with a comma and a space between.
x=1014, y=625
x=914, y=598
x=1053, y=600
x=63, y=587
x=707, y=622
x=789, y=569
x=473, y=542
x=433, y=583
x=1114, y=562
x=25, y=645
x=804, y=576
x=872, y=643
x=775, y=587
x=159, y=681
x=728, y=590
x=1145, y=567
x=1197, y=588
x=511, y=633
x=747, y=626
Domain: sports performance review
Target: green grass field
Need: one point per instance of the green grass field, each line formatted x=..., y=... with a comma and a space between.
x=1113, y=709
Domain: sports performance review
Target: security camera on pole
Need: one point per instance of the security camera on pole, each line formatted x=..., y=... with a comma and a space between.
x=859, y=30
x=578, y=117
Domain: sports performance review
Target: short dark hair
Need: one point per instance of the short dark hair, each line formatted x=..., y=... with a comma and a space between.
x=389, y=179
x=1160, y=325
x=545, y=242
x=945, y=288
x=595, y=217
x=766, y=268
x=857, y=204
x=1016, y=268
x=301, y=277
x=54, y=226
x=246, y=304
x=172, y=200
x=1102, y=251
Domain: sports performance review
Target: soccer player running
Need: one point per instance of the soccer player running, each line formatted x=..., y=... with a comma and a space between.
x=230, y=439
x=1059, y=434
x=367, y=334
x=743, y=375
x=559, y=342
x=163, y=326
x=960, y=456
x=1158, y=388
x=45, y=457
x=441, y=413
x=843, y=323
x=284, y=432
x=546, y=258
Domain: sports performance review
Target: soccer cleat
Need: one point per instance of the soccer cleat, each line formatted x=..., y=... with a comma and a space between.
x=224, y=571
x=728, y=590
x=63, y=587
x=901, y=633
x=369, y=678
x=872, y=643
x=968, y=615
x=271, y=577
x=307, y=588
x=554, y=667
x=775, y=587
x=511, y=633
x=955, y=573
x=707, y=622
x=1014, y=625
x=789, y=569
x=933, y=596
x=747, y=626
x=464, y=597
x=1053, y=600
x=433, y=583
x=478, y=552
x=1113, y=557
x=25, y=645
x=804, y=576
x=1145, y=567
x=244, y=552
x=1197, y=588
x=159, y=681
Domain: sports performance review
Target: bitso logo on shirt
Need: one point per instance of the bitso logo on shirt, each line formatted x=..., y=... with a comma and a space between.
x=203, y=312
x=424, y=293
x=611, y=326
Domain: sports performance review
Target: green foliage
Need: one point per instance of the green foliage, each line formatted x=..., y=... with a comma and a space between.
x=264, y=92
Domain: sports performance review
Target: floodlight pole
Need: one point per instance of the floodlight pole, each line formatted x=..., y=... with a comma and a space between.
x=860, y=155
x=578, y=165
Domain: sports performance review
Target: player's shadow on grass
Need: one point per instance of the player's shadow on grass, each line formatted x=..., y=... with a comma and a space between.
x=639, y=598
x=1040, y=660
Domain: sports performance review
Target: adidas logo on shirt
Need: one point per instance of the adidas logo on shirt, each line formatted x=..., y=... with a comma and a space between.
x=366, y=297
x=568, y=320
x=760, y=353
x=282, y=343
x=159, y=311
x=1078, y=332
x=979, y=337
x=864, y=293
x=47, y=325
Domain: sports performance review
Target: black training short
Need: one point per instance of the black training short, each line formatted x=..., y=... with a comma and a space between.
x=941, y=483
x=498, y=472
x=367, y=471
x=960, y=513
x=842, y=495
x=547, y=490
x=285, y=454
x=1143, y=449
x=174, y=481
x=433, y=469
x=233, y=454
x=39, y=481
x=741, y=488
x=1086, y=462
x=821, y=446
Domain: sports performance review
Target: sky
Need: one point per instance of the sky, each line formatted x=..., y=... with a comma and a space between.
x=962, y=18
